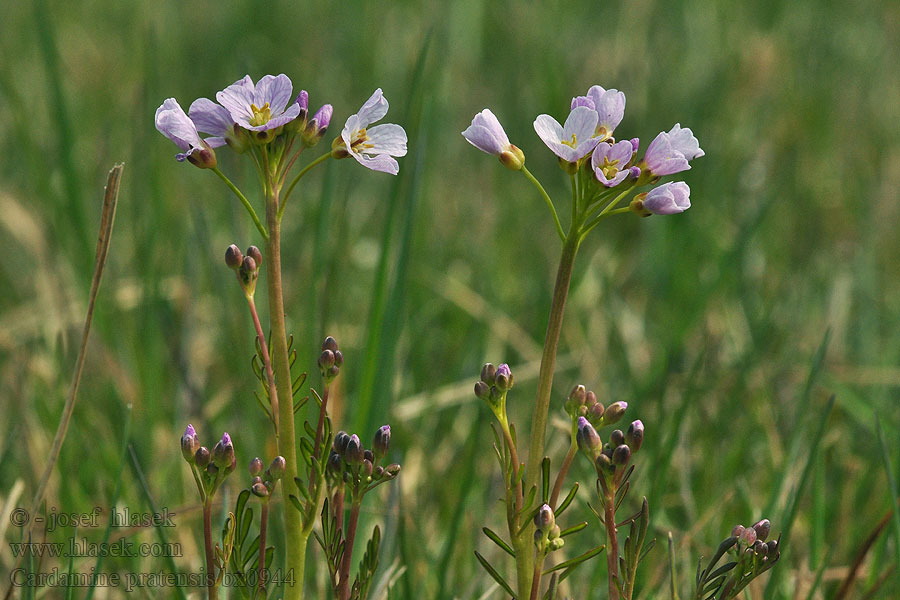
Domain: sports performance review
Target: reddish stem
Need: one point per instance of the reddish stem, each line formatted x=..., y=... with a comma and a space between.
x=561, y=476
x=267, y=361
x=343, y=591
x=612, y=552
x=208, y=546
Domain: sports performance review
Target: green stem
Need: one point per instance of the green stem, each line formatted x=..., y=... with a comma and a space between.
x=261, y=563
x=546, y=197
x=524, y=557
x=296, y=179
x=295, y=543
x=343, y=591
x=596, y=221
x=267, y=360
x=244, y=201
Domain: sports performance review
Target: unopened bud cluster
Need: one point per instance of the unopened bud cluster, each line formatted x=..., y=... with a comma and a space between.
x=546, y=531
x=246, y=266
x=615, y=455
x=330, y=360
x=263, y=484
x=211, y=466
x=751, y=541
x=583, y=403
x=351, y=464
x=495, y=382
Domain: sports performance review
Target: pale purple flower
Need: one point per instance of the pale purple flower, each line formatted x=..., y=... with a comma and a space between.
x=668, y=199
x=670, y=152
x=262, y=106
x=609, y=106
x=571, y=141
x=487, y=134
x=609, y=162
x=213, y=119
x=172, y=122
x=373, y=148
x=504, y=370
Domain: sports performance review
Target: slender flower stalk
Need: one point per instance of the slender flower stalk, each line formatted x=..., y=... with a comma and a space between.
x=212, y=588
x=346, y=561
x=267, y=361
x=261, y=563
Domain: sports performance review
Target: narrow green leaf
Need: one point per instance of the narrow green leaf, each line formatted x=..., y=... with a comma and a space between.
x=494, y=574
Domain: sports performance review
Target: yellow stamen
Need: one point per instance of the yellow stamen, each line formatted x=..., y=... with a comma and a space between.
x=261, y=116
x=573, y=143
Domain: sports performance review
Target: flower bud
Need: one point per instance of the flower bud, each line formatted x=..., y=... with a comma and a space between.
x=223, y=452
x=512, y=158
x=256, y=466
x=621, y=455
x=392, y=470
x=762, y=528
x=482, y=390
x=737, y=531
x=189, y=443
x=760, y=548
x=616, y=438
x=773, y=552
x=340, y=442
x=614, y=412
x=637, y=205
x=326, y=360
x=316, y=127
x=595, y=412
x=335, y=463
x=303, y=101
x=367, y=467
x=503, y=378
x=277, y=468
x=203, y=157
x=254, y=253
x=382, y=441
x=338, y=358
x=233, y=257
x=330, y=344
x=353, y=453
x=260, y=489
x=202, y=457
x=748, y=537
x=590, y=399
x=488, y=372
x=544, y=519
x=602, y=463
x=587, y=437
x=635, y=436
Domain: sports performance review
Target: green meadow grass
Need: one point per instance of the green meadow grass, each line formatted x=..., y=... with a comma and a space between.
x=726, y=329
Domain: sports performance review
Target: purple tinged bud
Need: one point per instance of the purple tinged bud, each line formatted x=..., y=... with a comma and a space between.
x=326, y=360
x=230, y=468
x=256, y=479
x=504, y=370
x=260, y=489
x=382, y=441
x=256, y=466
x=367, y=467
x=614, y=412
x=233, y=257
x=392, y=470
x=338, y=358
x=277, y=468
x=621, y=455
x=587, y=437
x=544, y=519
x=340, y=442
x=635, y=144
x=634, y=172
x=254, y=253
x=616, y=438
x=482, y=390
x=330, y=344
x=737, y=531
x=760, y=548
x=303, y=101
x=202, y=457
x=334, y=462
x=590, y=399
x=635, y=436
x=578, y=394
x=189, y=444
x=488, y=371
x=748, y=537
x=353, y=453
x=223, y=452
x=595, y=412
x=772, y=549
x=762, y=527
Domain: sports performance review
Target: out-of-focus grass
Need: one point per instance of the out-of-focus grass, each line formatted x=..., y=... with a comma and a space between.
x=705, y=323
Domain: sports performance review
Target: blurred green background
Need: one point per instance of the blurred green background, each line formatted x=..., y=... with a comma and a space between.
x=708, y=323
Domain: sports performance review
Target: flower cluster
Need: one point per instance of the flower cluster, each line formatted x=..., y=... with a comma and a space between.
x=612, y=458
x=750, y=556
x=248, y=115
x=330, y=360
x=583, y=403
x=349, y=463
x=495, y=382
x=263, y=484
x=588, y=130
x=209, y=468
x=547, y=536
x=246, y=266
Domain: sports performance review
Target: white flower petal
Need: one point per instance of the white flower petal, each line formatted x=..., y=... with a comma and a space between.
x=549, y=130
x=386, y=139
x=374, y=109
